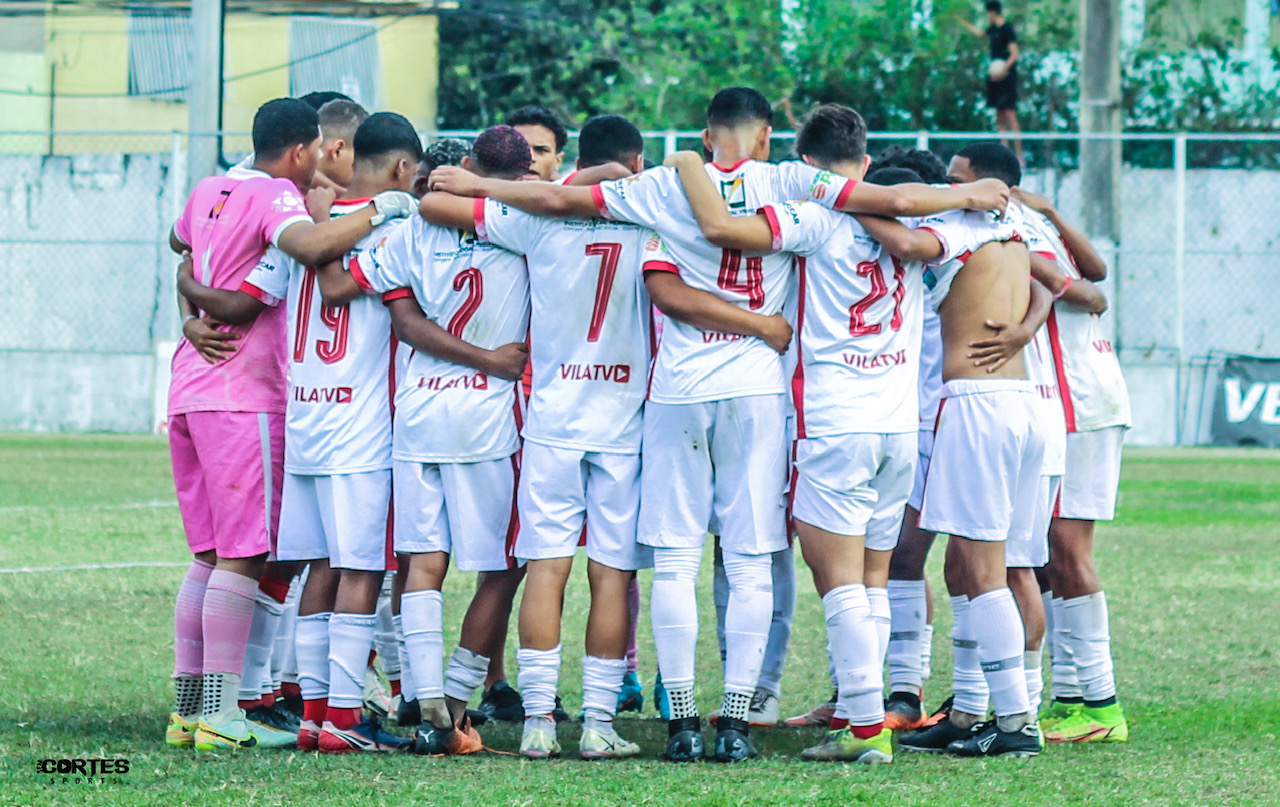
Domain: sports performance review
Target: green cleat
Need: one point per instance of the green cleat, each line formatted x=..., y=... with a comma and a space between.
x=214, y=734
x=179, y=733
x=539, y=739
x=1056, y=712
x=1106, y=724
x=596, y=744
x=842, y=746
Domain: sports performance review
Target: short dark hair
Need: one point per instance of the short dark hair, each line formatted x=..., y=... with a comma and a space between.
x=832, y=134
x=995, y=6
x=534, y=115
x=281, y=124
x=929, y=166
x=386, y=133
x=608, y=138
x=318, y=99
x=339, y=119
x=988, y=158
x=445, y=151
x=734, y=106
x=501, y=151
x=890, y=175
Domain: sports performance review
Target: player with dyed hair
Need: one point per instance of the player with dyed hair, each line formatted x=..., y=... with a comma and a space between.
x=227, y=419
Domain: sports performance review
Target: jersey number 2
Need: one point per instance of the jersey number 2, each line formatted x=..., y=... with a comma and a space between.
x=858, y=311
x=474, y=281
x=730, y=270
x=336, y=318
x=609, y=255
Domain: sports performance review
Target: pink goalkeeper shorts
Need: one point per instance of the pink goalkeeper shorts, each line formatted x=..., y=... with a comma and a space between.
x=228, y=468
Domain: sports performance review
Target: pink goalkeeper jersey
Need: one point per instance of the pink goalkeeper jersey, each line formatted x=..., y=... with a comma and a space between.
x=229, y=223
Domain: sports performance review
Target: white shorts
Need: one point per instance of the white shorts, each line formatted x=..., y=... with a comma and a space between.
x=563, y=492
x=342, y=517
x=465, y=509
x=985, y=472
x=855, y=484
x=1033, y=552
x=924, y=451
x=1093, y=475
x=721, y=462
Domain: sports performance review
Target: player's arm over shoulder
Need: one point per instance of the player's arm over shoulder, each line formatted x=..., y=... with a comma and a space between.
x=907, y=243
x=748, y=233
x=540, y=198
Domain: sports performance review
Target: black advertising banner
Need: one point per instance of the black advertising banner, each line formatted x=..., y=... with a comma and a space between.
x=1246, y=408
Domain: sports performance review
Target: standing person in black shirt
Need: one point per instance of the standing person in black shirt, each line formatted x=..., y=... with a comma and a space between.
x=1002, y=77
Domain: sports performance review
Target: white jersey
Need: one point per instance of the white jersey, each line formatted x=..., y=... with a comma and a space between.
x=1041, y=371
x=692, y=365
x=1088, y=369
x=858, y=325
x=589, y=329
x=930, y=366
x=963, y=232
x=446, y=412
x=341, y=376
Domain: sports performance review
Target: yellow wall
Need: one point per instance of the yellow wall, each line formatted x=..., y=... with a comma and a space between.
x=90, y=55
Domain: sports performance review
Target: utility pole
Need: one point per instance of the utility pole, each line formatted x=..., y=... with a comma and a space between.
x=1100, y=164
x=204, y=99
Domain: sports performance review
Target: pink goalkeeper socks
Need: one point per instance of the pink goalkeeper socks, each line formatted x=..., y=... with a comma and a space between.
x=188, y=635
x=228, y=615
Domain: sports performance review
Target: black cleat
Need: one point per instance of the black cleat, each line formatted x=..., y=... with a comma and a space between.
x=282, y=720
x=501, y=702
x=684, y=740
x=479, y=718
x=733, y=744
x=291, y=703
x=936, y=738
x=988, y=740
x=429, y=741
x=559, y=713
x=408, y=713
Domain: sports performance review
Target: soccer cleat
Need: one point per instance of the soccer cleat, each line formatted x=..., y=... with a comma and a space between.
x=684, y=740
x=367, y=735
x=596, y=744
x=660, y=700
x=501, y=702
x=1056, y=712
x=408, y=713
x=819, y=715
x=430, y=741
x=272, y=719
x=943, y=711
x=292, y=704
x=733, y=742
x=841, y=745
x=377, y=692
x=987, y=740
x=936, y=738
x=559, y=713
x=309, y=736
x=900, y=714
x=179, y=733
x=539, y=739
x=631, y=698
x=284, y=716
x=1106, y=724
x=268, y=735
x=213, y=734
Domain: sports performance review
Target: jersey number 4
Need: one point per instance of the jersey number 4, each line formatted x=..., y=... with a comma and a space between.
x=731, y=276
x=858, y=311
x=335, y=318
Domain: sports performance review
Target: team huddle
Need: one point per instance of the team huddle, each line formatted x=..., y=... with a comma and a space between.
x=394, y=357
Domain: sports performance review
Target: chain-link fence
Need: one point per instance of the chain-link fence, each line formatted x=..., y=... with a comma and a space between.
x=88, y=275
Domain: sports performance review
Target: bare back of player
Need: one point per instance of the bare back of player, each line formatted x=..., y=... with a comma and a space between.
x=993, y=286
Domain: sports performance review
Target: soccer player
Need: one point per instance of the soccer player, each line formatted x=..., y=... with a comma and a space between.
x=984, y=474
x=455, y=440
x=547, y=138
x=714, y=433
x=855, y=395
x=1096, y=402
x=226, y=419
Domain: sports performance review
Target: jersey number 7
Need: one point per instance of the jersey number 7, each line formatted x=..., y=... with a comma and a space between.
x=609, y=255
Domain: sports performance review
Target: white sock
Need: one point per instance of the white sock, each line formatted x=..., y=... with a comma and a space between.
x=422, y=618
x=311, y=643
x=257, y=652
x=1089, y=623
x=784, y=610
x=284, y=660
x=219, y=695
x=907, y=611
x=350, y=639
x=601, y=683
x=538, y=677
x=1033, y=667
x=188, y=696
x=464, y=675
x=1062, y=664
x=997, y=625
x=851, y=644
x=674, y=613
x=384, y=637
x=971, y=693
x=746, y=624
x=926, y=652
x=408, y=687
x=881, y=618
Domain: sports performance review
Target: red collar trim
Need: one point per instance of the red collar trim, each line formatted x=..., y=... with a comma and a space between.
x=352, y=202
x=733, y=168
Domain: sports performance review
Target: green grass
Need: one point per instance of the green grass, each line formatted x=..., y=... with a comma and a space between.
x=1192, y=569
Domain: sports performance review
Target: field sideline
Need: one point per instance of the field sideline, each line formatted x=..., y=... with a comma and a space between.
x=1192, y=569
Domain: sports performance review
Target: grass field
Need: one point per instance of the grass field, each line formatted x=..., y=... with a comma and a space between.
x=1192, y=569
